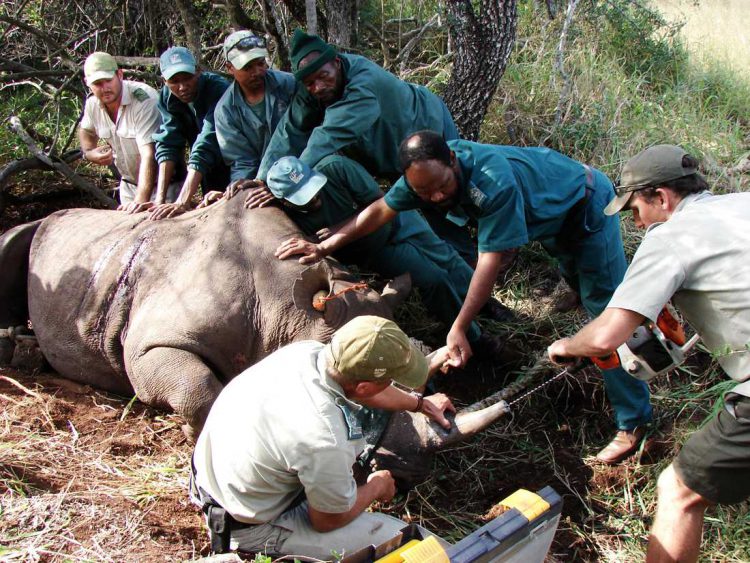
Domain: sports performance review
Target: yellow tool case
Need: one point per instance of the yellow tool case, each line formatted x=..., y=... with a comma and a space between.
x=523, y=533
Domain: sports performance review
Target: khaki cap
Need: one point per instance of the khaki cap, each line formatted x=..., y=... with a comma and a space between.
x=370, y=348
x=99, y=66
x=649, y=168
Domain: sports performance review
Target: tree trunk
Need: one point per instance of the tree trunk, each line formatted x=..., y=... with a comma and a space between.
x=238, y=17
x=298, y=9
x=311, y=17
x=482, y=46
x=192, y=27
x=343, y=16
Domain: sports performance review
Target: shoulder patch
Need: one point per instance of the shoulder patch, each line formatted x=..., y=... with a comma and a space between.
x=477, y=196
x=140, y=94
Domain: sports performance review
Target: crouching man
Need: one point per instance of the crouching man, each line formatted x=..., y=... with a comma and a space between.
x=273, y=464
x=695, y=252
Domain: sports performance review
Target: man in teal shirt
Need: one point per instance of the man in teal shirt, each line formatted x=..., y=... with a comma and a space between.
x=513, y=196
x=251, y=108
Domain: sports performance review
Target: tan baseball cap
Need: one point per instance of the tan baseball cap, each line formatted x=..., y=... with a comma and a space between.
x=243, y=46
x=370, y=348
x=649, y=168
x=99, y=66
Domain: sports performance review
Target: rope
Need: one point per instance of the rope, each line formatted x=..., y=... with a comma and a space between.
x=319, y=303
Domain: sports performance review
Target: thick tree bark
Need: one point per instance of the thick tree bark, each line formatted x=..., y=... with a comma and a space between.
x=482, y=45
x=298, y=10
x=192, y=27
x=238, y=17
x=343, y=16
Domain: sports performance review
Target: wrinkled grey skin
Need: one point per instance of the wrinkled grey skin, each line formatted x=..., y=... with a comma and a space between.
x=170, y=310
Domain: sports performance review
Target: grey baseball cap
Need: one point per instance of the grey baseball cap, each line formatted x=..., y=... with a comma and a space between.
x=241, y=47
x=291, y=179
x=99, y=66
x=175, y=60
x=649, y=168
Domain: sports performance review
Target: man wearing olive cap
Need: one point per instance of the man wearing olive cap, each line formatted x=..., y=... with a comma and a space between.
x=248, y=112
x=122, y=114
x=186, y=103
x=694, y=252
x=351, y=106
x=273, y=464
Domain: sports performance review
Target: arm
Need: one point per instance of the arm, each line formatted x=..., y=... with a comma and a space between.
x=380, y=486
x=369, y=220
x=480, y=289
x=146, y=179
x=237, y=149
x=182, y=203
x=91, y=152
x=599, y=338
x=394, y=399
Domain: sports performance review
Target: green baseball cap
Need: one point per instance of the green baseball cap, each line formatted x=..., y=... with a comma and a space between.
x=370, y=348
x=291, y=179
x=175, y=60
x=99, y=66
x=649, y=168
x=241, y=47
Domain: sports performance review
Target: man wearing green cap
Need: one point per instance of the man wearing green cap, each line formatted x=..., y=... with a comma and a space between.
x=694, y=252
x=248, y=112
x=350, y=105
x=187, y=103
x=321, y=199
x=267, y=485
x=122, y=114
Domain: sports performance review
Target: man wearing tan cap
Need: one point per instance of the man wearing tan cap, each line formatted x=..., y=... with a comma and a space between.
x=122, y=114
x=273, y=464
x=695, y=252
x=248, y=112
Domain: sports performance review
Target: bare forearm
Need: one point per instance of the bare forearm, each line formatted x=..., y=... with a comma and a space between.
x=189, y=188
x=87, y=140
x=602, y=335
x=147, y=173
x=367, y=221
x=166, y=173
x=366, y=495
x=392, y=399
x=480, y=288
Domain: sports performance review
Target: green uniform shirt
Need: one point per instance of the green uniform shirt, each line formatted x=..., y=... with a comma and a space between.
x=513, y=195
x=349, y=188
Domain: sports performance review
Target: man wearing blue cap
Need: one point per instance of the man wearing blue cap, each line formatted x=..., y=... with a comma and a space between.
x=250, y=109
x=186, y=104
x=350, y=105
x=320, y=200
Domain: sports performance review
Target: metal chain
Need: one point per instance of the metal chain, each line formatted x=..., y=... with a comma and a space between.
x=563, y=373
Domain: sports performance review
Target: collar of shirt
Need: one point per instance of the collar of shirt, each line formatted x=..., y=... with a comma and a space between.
x=685, y=202
x=349, y=409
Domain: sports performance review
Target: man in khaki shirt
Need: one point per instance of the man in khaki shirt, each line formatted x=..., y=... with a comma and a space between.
x=123, y=114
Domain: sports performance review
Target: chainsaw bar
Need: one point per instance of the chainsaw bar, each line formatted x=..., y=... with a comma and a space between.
x=563, y=373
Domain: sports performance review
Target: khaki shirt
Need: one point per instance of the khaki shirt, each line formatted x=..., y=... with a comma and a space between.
x=700, y=258
x=137, y=119
x=276, y=430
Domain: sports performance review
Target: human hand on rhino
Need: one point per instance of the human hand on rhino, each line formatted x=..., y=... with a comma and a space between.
x=435, y=406
x=294, y=246
x=259, y=196
x=135, y=207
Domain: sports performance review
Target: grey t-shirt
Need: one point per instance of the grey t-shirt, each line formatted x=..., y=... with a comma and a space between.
x=700, y=258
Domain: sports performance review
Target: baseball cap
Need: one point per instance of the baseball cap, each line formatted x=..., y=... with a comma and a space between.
x=241, y=47
x=651, y=167
x=291, y=179
x=370, y=348
x=174, y=60
x=99, y=66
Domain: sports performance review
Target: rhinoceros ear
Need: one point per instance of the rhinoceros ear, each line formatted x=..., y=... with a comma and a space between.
x=397, y=290
x=312, y=279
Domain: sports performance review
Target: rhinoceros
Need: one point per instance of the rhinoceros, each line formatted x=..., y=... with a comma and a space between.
x=170, y=310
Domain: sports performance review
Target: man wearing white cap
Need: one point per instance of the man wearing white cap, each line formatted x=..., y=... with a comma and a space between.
x=266, y=485
x=187, y=104
x=122, y=114
x=248, y=112
x=695, y=252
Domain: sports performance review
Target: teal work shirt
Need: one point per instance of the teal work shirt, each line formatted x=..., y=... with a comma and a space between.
x=243, y=135
x=349, y=188
x=375, y=113
x=512, y=195
x=190, y=125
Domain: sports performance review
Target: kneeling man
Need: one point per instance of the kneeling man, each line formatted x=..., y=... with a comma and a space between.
x=695, y=252
x=273, y=464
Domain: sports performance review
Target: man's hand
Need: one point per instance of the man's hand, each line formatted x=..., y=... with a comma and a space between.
x=434, y=407
x=439, y=360
x=385, y=483
x=259, y=195
x=210, y=198
x=310, y=252
x=558, y=352
x=101, y=155
x=135, y=207
x=238, y=185
x=167, y=210
x=459, y=348
x=324, y=233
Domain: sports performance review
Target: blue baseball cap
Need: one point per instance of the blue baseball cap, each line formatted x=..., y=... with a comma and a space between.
x=291, y=179
x=174, y=60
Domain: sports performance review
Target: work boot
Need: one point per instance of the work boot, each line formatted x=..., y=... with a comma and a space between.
x=496, y=349
x=564, y=298
x=624, y=444
x=496, y=311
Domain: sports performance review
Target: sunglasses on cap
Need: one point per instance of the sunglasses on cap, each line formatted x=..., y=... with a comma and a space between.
x=622, y=190
x=247, y=43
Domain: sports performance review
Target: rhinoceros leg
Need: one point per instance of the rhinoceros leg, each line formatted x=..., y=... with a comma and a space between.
x=178, y=380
